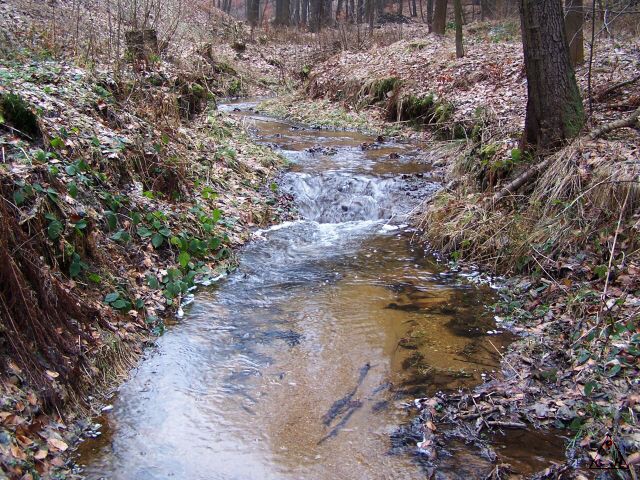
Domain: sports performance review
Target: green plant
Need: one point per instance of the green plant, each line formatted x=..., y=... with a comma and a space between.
x=55, y=227
x=118, y=301
x=156, y=229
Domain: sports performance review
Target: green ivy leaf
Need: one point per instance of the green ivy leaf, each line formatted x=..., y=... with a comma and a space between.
x=614, y=370
x=77, y=265
x=184, y=259
x=144, y=232
x=73, y=190
x=157, y=240
x=153, y=282
x=111, y=297
x=589, y=387
x=121, y=304
x=19, y=196
x=54, y=230
x=112, y=219
x=121, y=236
x=81, y=225
x=57, y=143
x=95, y=278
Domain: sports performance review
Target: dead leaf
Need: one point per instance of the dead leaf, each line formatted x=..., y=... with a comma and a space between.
x=57, y=444
x=633, y=459
x=41, y=454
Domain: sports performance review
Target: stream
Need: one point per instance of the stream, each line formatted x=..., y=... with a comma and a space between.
x=299, y=364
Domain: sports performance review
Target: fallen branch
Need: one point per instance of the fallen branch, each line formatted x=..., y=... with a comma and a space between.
x=622, y=123
x=521, y=180
x=497, y=423
x=604, y=94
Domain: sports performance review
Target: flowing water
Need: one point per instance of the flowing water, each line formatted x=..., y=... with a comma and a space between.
x=298, y=364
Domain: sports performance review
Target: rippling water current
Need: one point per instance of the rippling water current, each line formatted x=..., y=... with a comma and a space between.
x=297, y=365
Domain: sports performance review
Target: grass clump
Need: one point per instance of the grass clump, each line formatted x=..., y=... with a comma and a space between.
x=417, y=108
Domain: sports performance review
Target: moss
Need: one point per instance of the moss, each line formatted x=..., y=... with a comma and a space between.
x=15, y=110
x=417, y=44
x=305, y=71
x=235, y=87
x=573, y=116
x=223, y=67
x=417, y=108
x=380, y=88
x=443, y=112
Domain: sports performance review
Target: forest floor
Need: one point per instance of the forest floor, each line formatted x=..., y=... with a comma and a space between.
x=568, y=240
x=126, y=191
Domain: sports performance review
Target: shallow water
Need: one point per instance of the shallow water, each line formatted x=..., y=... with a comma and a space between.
x=297, y=365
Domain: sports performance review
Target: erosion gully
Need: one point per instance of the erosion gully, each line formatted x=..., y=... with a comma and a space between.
x=299, y=365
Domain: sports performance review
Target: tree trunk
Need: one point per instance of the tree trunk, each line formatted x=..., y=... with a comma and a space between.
x=574, y=22
x=439, y=17
x=338, y=10
x=414, y=6
x=457, y=5
x=296, y=12
x=315, y=22
x=430, y=15
x=253, y=12
x=283, y=12
x=554, y=107
x=360, y=11
x=304, y=17
x=370, y=13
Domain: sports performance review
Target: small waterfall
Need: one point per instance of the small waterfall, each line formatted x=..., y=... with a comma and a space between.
x=336, y=197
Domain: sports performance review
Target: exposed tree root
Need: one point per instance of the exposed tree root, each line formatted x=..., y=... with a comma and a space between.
x=43, y=325
x=521, y=180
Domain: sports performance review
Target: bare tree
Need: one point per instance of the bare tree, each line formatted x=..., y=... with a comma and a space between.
x=457, y=6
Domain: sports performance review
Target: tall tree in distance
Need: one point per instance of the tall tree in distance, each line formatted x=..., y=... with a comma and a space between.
x=430, y=15
x=283, y=12
x=574, y=23
x=554, y=107
x=439, y=22
x=457, y=7
x=253, y=12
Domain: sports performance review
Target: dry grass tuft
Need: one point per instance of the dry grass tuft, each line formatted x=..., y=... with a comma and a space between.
x=575, y=203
